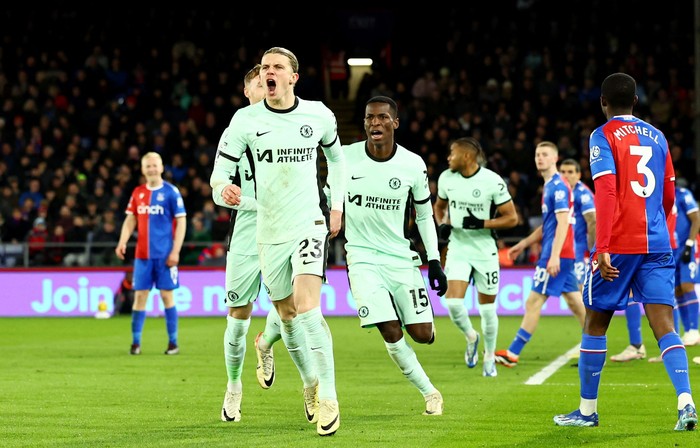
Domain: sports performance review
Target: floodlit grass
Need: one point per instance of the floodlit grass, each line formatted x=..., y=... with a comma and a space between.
x=67, y=382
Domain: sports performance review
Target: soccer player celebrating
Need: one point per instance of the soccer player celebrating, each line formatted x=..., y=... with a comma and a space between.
x=243, y=278
x=474, y=194
x=157, y=212
x=386, y=181
x=283, y=132
x=554, y=274
x=633, y=174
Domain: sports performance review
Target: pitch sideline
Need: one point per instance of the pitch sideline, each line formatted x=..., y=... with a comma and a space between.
x=541, y=376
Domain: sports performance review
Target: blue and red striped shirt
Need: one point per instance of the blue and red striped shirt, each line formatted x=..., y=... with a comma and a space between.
x=155, y=212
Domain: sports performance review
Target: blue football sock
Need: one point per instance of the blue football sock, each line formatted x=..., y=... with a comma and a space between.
x=683, y=312
x=633, y=313
x=522, y=337
x=693, y=307
x=171, y=324
x=138, y=318
x=676, y=361
x=590, y=364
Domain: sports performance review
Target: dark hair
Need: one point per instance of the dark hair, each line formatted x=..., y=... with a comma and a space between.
x=473, y=144
x=385, y=99
x=619, y=89
x=574, y=163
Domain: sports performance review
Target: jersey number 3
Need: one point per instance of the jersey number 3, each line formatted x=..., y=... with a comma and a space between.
x=644, y=170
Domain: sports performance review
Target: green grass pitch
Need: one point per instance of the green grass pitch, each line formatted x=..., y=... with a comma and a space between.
x=70, y=382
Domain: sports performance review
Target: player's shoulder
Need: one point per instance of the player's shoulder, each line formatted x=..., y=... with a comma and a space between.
x=405, y=154
x=170, y=186
x=355, y=146
x=557, y=181
x=490, y=175
x=312, y=107
x=582, y=188
x=445, y=175
x=355, y=150
x=246, y=114
x=410, y=161
x=140, y=188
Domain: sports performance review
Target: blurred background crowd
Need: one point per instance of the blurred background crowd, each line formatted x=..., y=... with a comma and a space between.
x=84, y=94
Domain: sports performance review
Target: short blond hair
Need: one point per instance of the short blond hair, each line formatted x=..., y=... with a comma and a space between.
x=548, y=144
x=252, y=74
x=151, y=154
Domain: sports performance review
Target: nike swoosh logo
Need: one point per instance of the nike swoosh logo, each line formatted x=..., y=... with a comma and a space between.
x=268, y=382
x=315, y=348
x=233, y=345
x=309, y=262
x=259, y=134
x=330, y=425
x=309, y=417
x=421, y=311
x=357, y=177
x=228, y=419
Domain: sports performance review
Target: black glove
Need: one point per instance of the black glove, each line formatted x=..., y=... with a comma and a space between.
x=472, y=222
x=685, y=258
x=438, y=280
x=444, y=231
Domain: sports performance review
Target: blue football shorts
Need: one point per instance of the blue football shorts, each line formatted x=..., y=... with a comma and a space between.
x=649, y=276
x=153, y=271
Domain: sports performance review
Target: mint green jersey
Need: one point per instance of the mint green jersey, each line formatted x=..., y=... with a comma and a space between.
x=284, y=147
x=380, y=201
x=481, y=194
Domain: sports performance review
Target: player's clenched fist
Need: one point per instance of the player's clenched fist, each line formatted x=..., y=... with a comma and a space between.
x=231, y=194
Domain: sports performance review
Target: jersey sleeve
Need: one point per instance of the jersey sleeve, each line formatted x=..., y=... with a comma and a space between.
x=178, y=204
x=421, y=187
x=689, y=202
x=228, y=155
x=337, y=173
x=441, y=188
x=424, y=210
x=601, y=158
x=131, y=206
x=586, y=201
x=561, y=198
x=501, y=194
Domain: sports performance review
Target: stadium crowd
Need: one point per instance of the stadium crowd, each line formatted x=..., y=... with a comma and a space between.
x=84, y=97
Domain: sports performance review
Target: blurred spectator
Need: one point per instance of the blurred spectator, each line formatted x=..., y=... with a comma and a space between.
x=176, y=169
x=54, y=254
x=77, y=235
x=34, y=193
x=92, y=215
x=219, y=227
x=215, y=255
x=16, y=227
x=338, y=70
x=198, y=233
x=36, y=239
x=102, y=245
